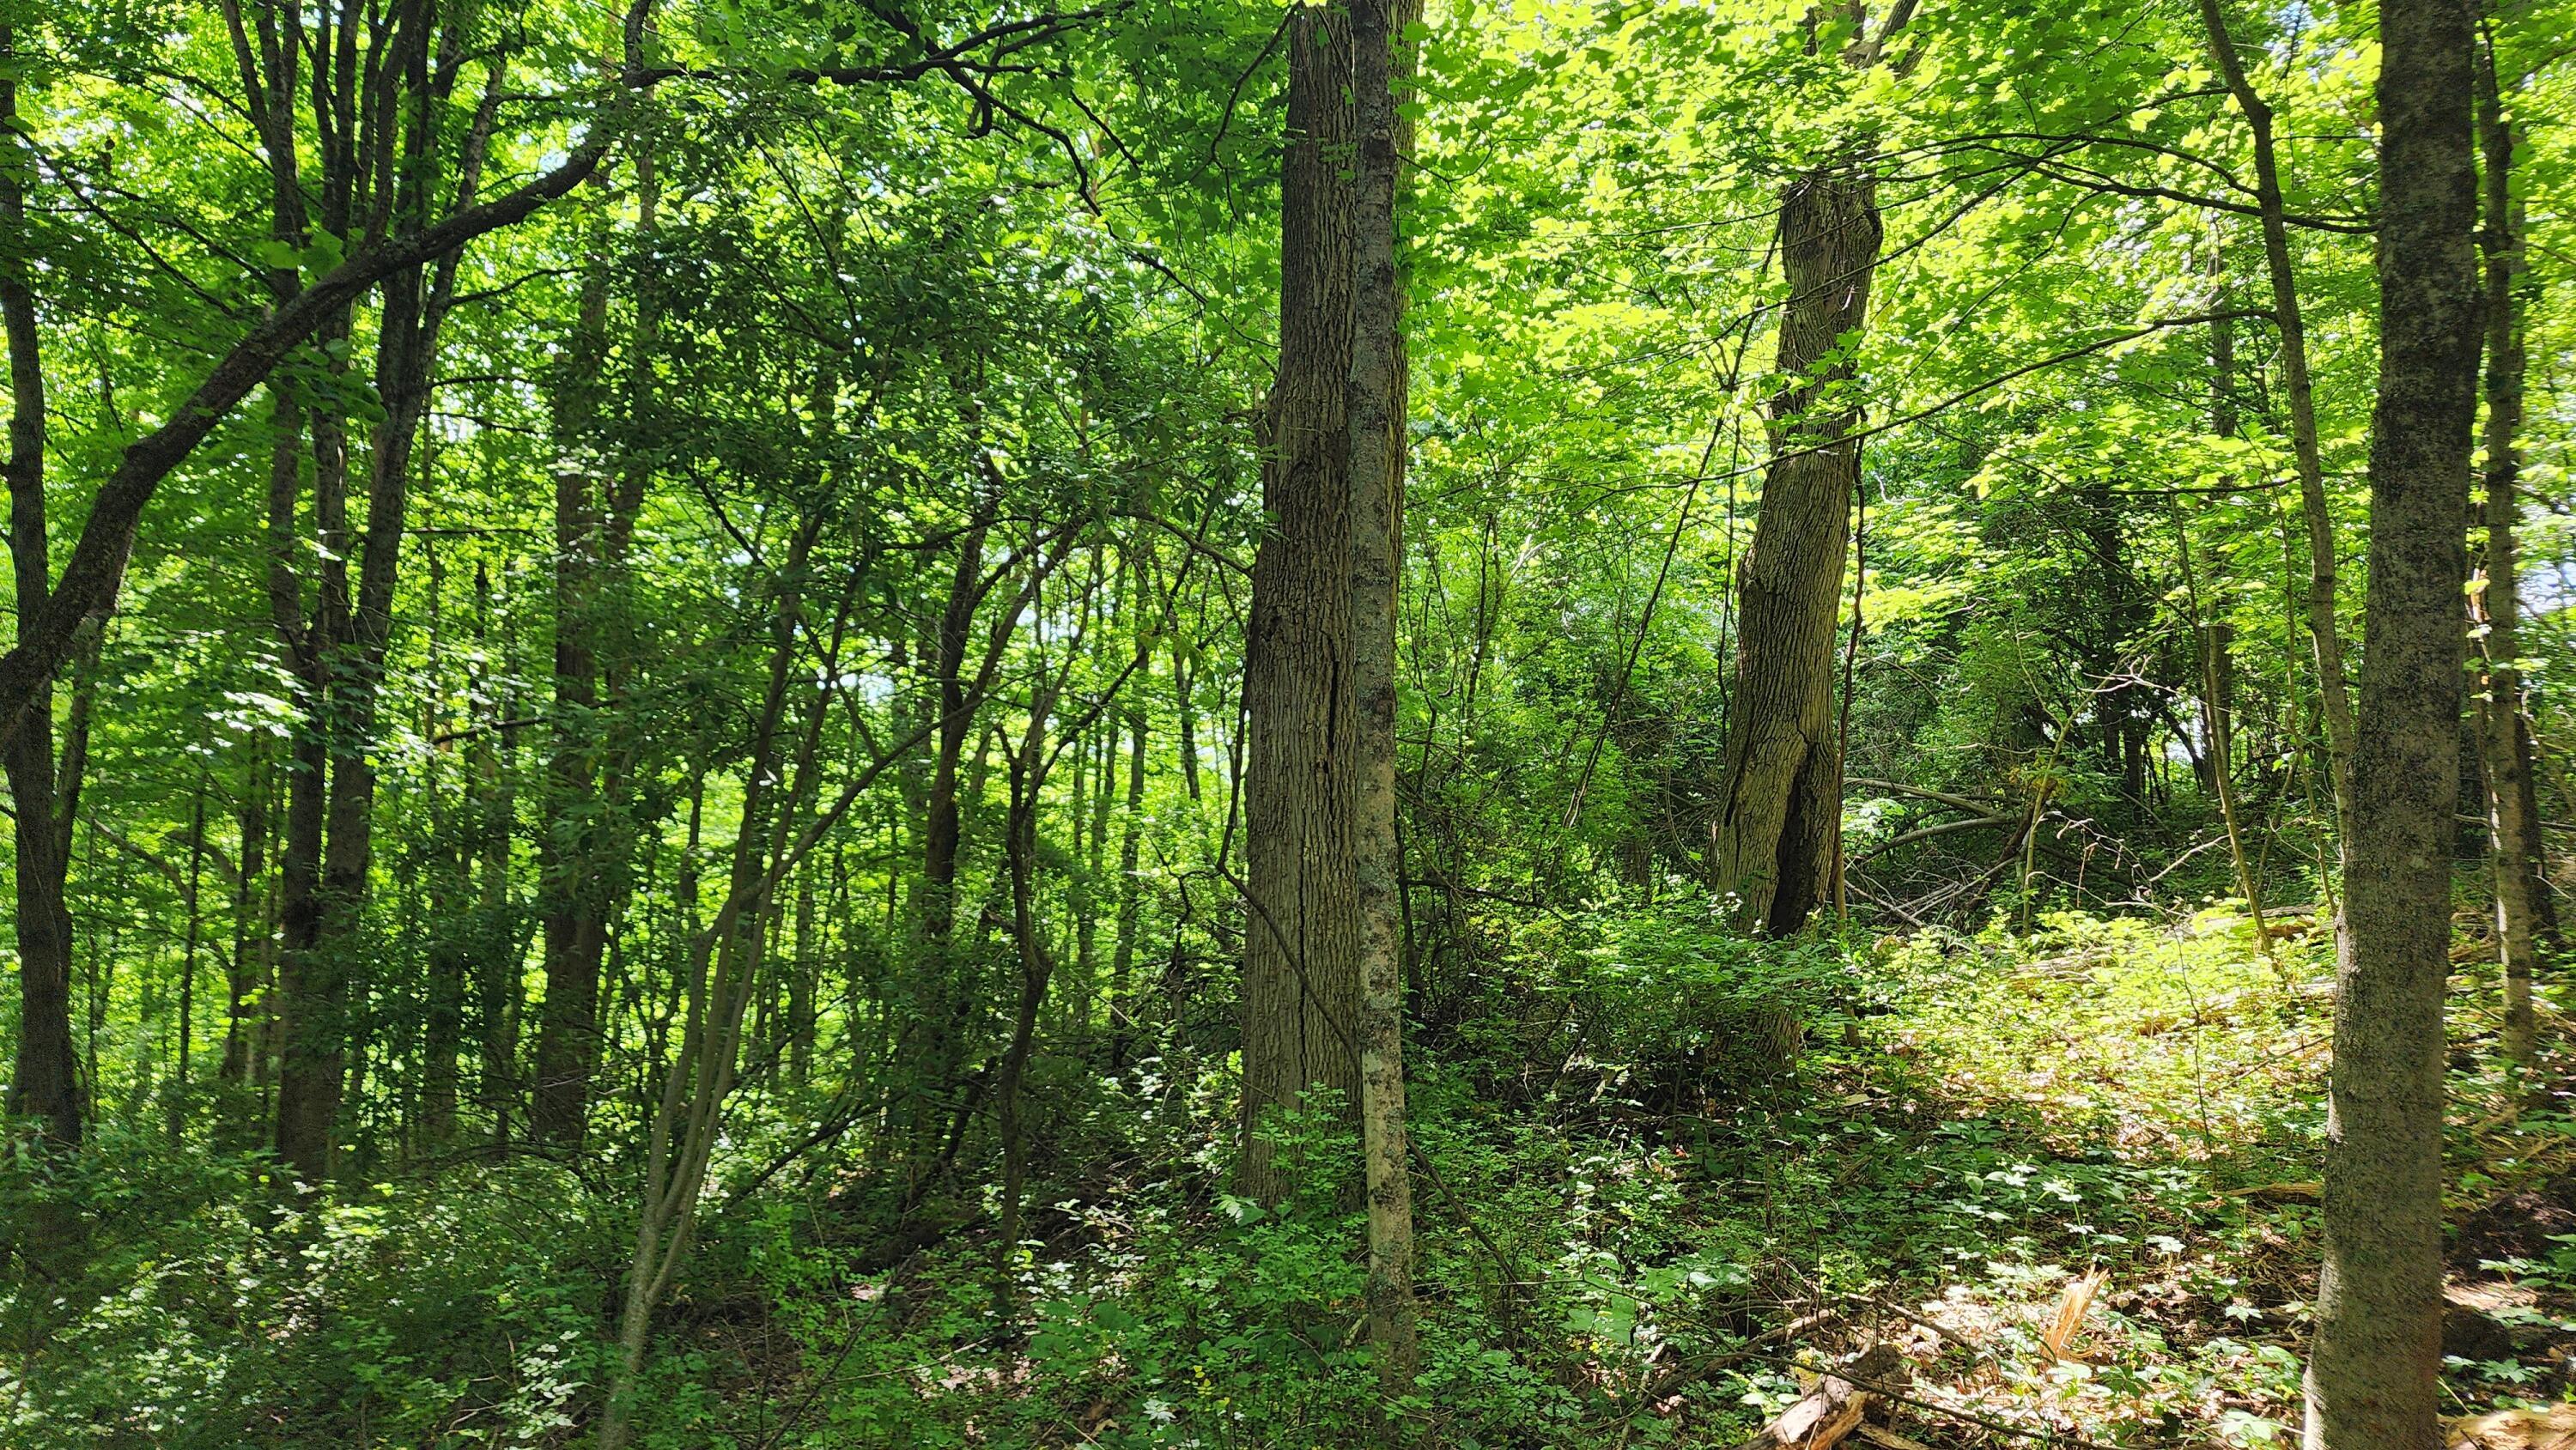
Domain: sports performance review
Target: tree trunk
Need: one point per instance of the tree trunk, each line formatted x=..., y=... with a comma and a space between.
x=46, y=1082
x=574, y=915
x=1771, y=842
x=1122, y=956
x=1301, y=988
x=2324, y=631
x=246, y=981
x=803, y=965
x=1028, y=772
x=2214, y=636
x=2371, y=1378
x=582, y=853
x=2504, y=743
x=498, y=987
x=1378, y=396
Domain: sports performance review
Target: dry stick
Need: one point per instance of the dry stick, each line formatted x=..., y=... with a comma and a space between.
x=2001, y=1427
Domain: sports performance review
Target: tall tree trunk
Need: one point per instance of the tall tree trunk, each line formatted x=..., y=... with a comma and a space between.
x=2504, y=742
x=2371, y=1378
x=582, y=853
x=1376, y=407
x=246, y=979
x=1301, y=985
x=1122, y=956
x=574, y=919
x=344, y=648
x=721, y=976
x=1771, y=842
x=2325, y=633
x=45, y=1083
x=498, y=985
x=2213, y=636
x=188, y=960
x=1028, y=773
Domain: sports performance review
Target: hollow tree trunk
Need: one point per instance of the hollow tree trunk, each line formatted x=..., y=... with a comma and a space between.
x=1771, y=843
x=2372, y=1372
x=1301, y=988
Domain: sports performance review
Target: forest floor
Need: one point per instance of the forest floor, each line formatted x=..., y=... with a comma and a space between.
x=2067, y=1175
x=2070, y=1174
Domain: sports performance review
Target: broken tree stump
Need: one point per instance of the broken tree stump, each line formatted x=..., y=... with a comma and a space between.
x=1827, y=1414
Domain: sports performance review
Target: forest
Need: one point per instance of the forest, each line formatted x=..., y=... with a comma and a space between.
x=1762, y=724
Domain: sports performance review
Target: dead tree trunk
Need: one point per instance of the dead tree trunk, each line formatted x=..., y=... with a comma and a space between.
x=1771, y=844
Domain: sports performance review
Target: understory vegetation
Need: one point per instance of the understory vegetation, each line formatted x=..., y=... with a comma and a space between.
x=1261, y=725
x=1617, y=1234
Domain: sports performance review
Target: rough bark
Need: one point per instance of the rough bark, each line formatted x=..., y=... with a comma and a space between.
x=2371, y=1378
x=2504, y=742
x=1781, y=795
x=1301, y=988
x=1376, y=409
x=45, y=1083
x=341, y=651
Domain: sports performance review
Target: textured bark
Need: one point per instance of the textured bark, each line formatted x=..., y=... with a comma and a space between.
x=1376, y=419
x=388, y=178
x=45, y=1083
x=2371, y=1382
x=1771, y=844
x=2325, y=632
x=1301, y=984
x=2504, y=742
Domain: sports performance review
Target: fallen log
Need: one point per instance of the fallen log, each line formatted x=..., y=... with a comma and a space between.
x=1826, y=1415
